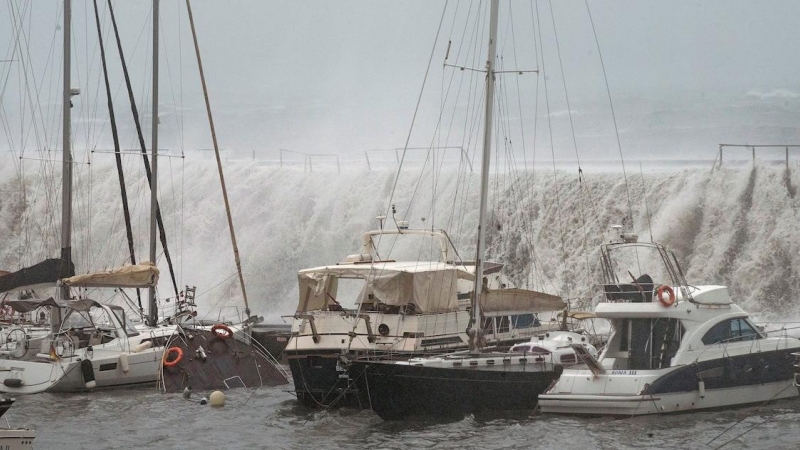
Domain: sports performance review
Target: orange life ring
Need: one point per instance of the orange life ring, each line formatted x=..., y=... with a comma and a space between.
x=226, y=332
x=670, y=300
x=178, y=356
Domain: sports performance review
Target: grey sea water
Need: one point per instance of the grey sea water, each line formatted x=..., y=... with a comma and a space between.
x=271, y=418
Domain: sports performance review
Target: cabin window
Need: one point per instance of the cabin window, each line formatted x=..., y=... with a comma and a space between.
x=569, y=358
x=525, y=321
x=502, y=324
x=623, y=335
x=653, y=342
x=730, y=331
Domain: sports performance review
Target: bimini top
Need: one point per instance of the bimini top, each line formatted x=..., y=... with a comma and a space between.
x=144, y=274
x=429, y=286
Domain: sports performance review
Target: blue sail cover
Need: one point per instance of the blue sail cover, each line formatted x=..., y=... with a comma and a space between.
x=47, y=271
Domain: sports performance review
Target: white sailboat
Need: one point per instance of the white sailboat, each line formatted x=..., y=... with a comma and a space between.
x=89, y=344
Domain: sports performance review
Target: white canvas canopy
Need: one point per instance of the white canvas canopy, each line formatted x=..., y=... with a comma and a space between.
x=140, y=275
x=520, y=301
x=430, y=287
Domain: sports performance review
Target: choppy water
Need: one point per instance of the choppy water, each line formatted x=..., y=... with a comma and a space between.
x=271, y=418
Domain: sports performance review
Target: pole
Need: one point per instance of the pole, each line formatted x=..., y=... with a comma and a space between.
x=153, y=306
x=475, y=332
x=66, y=179
x=219, y=162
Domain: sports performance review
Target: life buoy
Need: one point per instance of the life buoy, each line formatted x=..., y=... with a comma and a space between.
x=225, y=331
x=177, y=351
x=670, y=300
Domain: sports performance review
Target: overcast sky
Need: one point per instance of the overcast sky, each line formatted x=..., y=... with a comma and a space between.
x=343, y=77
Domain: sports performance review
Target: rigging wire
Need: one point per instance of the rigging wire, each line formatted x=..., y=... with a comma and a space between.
x=572, y=132
x=613, y=114
x=565, y=281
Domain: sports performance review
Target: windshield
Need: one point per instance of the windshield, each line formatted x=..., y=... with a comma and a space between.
x=130, y=330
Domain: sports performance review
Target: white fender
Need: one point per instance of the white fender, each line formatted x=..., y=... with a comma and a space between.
x=123, y=363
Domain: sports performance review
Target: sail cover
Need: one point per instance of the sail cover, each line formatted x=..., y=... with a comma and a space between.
x=520, y=301
x=140, y=275
x=429, y=287
x=47, y=271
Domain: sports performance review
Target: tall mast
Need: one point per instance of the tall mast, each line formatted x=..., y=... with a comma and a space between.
x=153, y=307
x=66, y=186
x=219, y=163
x=475, y=331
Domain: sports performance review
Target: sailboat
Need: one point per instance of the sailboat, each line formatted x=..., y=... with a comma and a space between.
x=471, y=381
x=90, y=344
x=221, y=355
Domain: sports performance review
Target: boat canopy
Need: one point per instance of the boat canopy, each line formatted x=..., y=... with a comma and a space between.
x=144, y=274
x=429, y=286
x=23, y=306
x=520, y=301
x=47, y=271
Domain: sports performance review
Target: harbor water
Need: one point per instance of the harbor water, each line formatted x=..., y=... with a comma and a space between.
x=271, y=418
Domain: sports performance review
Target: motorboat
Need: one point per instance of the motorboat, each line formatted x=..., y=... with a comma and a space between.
x=366, y=306
x=14, y=438
x=558, y=344
x=674, y=346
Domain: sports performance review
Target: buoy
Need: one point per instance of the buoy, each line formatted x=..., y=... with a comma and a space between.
x=203, y=401
x=123, y=363
x=701, y=387
x=142, y=346
x=187, y=392
x=217, y=398
x=88, y=374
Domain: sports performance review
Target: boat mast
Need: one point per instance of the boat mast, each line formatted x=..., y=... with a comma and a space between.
x=475, y=331
x=236, y=258
x=66, y=179
x=153, y=307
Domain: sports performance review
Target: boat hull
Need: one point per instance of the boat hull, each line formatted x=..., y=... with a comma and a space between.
x=731, y=381
x=224, y=364
x=403, y=391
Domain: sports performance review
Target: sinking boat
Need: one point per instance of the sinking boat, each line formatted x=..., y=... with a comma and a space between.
x=674, y=347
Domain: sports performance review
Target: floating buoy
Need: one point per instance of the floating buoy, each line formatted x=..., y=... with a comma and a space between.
x=217, y=398
x=123, y=363
x=88, y=374
x=187, y=392
x=142, y=346
x=203, y=401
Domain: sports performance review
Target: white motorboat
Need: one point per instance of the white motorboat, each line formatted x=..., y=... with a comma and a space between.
x=558, y=344
x=14, y=438
x=674, y=347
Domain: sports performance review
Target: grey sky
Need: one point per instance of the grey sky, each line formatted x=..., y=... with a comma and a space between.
x=344, y=76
